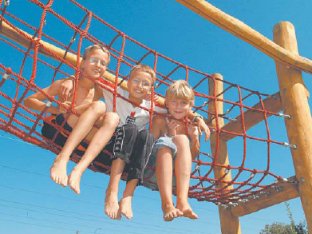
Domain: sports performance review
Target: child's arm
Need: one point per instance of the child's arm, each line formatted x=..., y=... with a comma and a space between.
x=78, y=109
x=36, y=100
x=194, y=140
x=158, y=126
x=200, y=122
x=66, y=87
x=82, y=107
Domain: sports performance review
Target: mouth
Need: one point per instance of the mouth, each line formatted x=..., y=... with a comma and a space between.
x=139, y=92
x=96, y=71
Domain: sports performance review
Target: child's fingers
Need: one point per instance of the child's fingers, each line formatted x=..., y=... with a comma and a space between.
x=67, y=94
x=207, y=134
x=64, y=93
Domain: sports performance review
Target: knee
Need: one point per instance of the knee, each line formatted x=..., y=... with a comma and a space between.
x=98, y=108
x=181, y=140
x=164, y=152
x=112, y=119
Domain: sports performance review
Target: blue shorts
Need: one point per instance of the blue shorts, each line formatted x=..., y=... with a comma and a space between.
x=150, y=179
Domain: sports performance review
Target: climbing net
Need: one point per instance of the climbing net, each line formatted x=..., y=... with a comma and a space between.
x=29, y=64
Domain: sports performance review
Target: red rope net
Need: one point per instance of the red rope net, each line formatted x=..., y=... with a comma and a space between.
x=25, y=69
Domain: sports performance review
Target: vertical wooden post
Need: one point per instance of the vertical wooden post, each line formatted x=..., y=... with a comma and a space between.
x=229, y=223
x=299, y=127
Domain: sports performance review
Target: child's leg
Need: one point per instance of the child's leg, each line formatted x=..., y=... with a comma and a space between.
x=138, y=160
x=111, y=199
x=164, y=182
x=183, y=167
x=82, y=127
x=125, y=140
x=98, y=142
x=125, y=204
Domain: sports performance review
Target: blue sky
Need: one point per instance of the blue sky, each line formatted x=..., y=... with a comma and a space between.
x=31, y=203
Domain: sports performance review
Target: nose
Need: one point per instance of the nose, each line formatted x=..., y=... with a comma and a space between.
x=140, y=84
x=98, y=63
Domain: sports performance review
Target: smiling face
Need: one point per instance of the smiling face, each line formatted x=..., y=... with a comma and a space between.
x=179, y=99
x=139, y=86
x=178, y=108
x=95, y=64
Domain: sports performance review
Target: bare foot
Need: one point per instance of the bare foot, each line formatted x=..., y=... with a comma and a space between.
x=74, y=180
x=112, y=206
x=187, y=211
x=170, y=213
x=125, y=207
x=58, y=171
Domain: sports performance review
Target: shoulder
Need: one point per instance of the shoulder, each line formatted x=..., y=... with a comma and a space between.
x=122, y=92
x=54, y=87
x=159, y=120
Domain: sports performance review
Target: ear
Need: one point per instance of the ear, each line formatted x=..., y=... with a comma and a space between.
x=82, y=65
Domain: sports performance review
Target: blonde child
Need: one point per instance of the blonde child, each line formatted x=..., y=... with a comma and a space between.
x=177, y=145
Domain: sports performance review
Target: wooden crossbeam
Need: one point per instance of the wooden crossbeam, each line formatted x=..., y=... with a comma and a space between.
x=246, y=33
x=277, y=193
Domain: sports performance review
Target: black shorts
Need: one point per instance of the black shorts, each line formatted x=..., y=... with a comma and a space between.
x=130, y=145
x=56, y=129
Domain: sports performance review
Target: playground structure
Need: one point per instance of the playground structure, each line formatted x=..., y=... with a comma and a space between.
x=236, y=189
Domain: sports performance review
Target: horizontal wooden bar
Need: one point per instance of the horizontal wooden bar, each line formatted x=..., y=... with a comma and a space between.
x=279, y=192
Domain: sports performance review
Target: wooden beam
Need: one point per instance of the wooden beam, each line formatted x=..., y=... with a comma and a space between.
x=299, y=126
x=276, y=193
x=228, y=222
x=251, y=117
x=246, y=33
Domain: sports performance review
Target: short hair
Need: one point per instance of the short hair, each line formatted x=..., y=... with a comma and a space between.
x=144, y=68
x=94, y=47
x=180, y=89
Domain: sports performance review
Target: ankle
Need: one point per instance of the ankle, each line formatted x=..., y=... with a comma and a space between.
x=167, y=205
x=111, y=192
x=61, y=159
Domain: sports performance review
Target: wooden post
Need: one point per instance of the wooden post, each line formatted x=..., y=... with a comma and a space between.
x=229, y=223
x=299, y=126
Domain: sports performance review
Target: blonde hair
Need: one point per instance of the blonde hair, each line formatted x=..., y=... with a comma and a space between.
x=94, y=47
x=144, y=68
x=180, y=89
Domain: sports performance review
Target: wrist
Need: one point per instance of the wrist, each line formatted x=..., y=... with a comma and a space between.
x=197, y=118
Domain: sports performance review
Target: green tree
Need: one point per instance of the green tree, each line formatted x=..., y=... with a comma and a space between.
x=278, y=228
x=281, y=228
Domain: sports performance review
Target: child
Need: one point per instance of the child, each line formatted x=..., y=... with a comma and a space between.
x=177, y=146
x=92, y=68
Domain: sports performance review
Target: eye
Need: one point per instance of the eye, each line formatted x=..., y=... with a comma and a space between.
x=146, y=84
x=94, y=60
x=136, y=81
x=103, y=63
